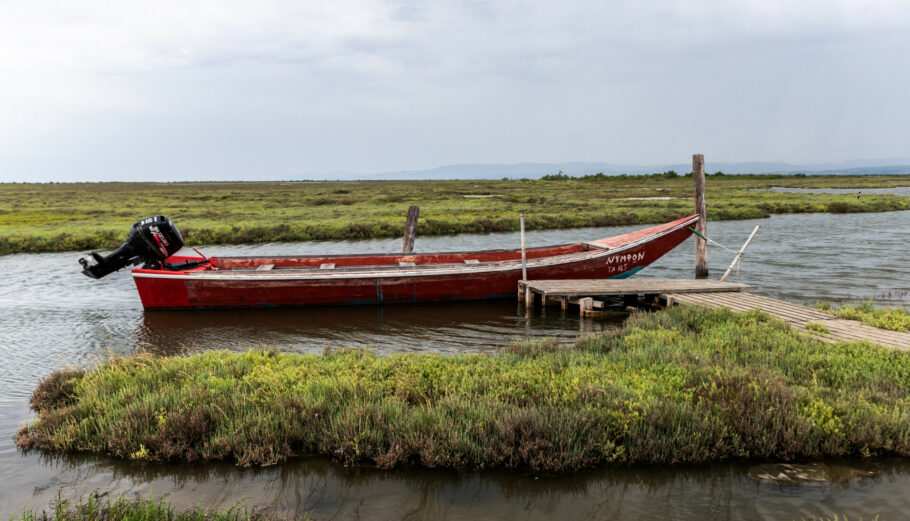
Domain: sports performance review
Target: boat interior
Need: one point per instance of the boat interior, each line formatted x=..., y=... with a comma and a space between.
x=393, y=260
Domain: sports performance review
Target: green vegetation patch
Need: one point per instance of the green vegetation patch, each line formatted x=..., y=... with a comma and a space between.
x=895, y=319
x=138, y=509
x=678, y=386
x=82, y=216
x=818, y=327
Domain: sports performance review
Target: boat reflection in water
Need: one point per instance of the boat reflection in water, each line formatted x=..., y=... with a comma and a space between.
x=482, y=326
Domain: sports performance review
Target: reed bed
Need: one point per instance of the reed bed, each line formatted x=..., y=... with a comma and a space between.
x=81, y=216
x=685, y=385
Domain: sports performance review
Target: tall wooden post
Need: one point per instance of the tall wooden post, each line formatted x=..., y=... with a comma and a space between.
x=524, y=258
x=701, y=245
x=410, y=230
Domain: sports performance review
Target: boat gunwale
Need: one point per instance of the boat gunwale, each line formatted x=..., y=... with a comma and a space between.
x=415, y=254
x=396, y=271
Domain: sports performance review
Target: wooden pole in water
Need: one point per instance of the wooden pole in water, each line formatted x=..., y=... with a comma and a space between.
x=739, y=255
x=410, y=229
x=524, y=259
x=701, y=245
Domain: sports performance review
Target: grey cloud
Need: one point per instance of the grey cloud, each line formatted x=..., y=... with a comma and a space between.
x=280, y=89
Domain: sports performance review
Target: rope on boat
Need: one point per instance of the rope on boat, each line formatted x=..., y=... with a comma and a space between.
x=734, y=252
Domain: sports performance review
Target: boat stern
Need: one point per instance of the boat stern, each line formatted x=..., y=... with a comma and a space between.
x=160, y=290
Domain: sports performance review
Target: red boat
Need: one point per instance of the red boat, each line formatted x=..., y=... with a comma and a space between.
x=178, y=282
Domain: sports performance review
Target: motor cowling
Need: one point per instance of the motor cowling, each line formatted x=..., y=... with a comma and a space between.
x=150, y=241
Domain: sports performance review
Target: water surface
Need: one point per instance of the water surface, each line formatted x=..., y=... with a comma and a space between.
x=51, y=315
x=898, y=190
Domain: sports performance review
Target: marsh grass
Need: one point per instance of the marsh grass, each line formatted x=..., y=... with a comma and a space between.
x=82, y=216
x=895, y=319
x=817, y=327
x=679, y=386
x=94, y=508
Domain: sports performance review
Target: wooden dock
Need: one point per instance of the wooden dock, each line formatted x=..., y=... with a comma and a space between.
x=797, y=316
x=586, y=292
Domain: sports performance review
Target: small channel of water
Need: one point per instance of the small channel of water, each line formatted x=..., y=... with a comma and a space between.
x=899, y=190
x=51, y=315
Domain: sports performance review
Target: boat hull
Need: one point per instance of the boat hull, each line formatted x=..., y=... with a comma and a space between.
x=214, y=289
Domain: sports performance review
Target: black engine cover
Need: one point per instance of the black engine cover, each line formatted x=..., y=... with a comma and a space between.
x=150, y=241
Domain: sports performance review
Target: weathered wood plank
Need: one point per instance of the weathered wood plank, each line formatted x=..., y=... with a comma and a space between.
x=606, y=287
x=529, y=298
x=701, y=246
x=585, y=306
x=410, y=229
x=797, y=316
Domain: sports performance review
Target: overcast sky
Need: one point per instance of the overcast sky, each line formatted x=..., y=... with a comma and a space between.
x=271, y=89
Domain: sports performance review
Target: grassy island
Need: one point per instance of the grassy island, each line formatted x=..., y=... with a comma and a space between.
x=678, y=386
x=81, y=216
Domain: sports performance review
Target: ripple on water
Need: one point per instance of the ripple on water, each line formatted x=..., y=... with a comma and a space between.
x=52, y=316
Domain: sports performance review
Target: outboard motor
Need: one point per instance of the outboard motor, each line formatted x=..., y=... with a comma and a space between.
x=150, y=241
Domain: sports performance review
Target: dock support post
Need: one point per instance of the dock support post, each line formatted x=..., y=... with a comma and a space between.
x=701, y=245
x=529, y=298
x=410, y=230
x=585, y=306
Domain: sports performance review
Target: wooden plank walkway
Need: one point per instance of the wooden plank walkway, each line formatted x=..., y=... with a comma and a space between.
x=796, y=315
x=584, y=291
x=608, y=287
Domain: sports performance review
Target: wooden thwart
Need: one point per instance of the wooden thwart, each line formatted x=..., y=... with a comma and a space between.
x=797, y=316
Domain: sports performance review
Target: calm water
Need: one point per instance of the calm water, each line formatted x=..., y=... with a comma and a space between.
x=900, y=190
x=51, y=315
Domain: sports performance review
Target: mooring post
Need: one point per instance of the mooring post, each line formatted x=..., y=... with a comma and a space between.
x=701, y=245
x=524, y=259
x=410, y=229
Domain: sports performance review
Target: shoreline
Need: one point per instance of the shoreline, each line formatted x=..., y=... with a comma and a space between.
x=678, y=386
x=78, y=217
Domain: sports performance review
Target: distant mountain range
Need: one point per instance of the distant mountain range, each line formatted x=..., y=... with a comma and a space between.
x=535, y=170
